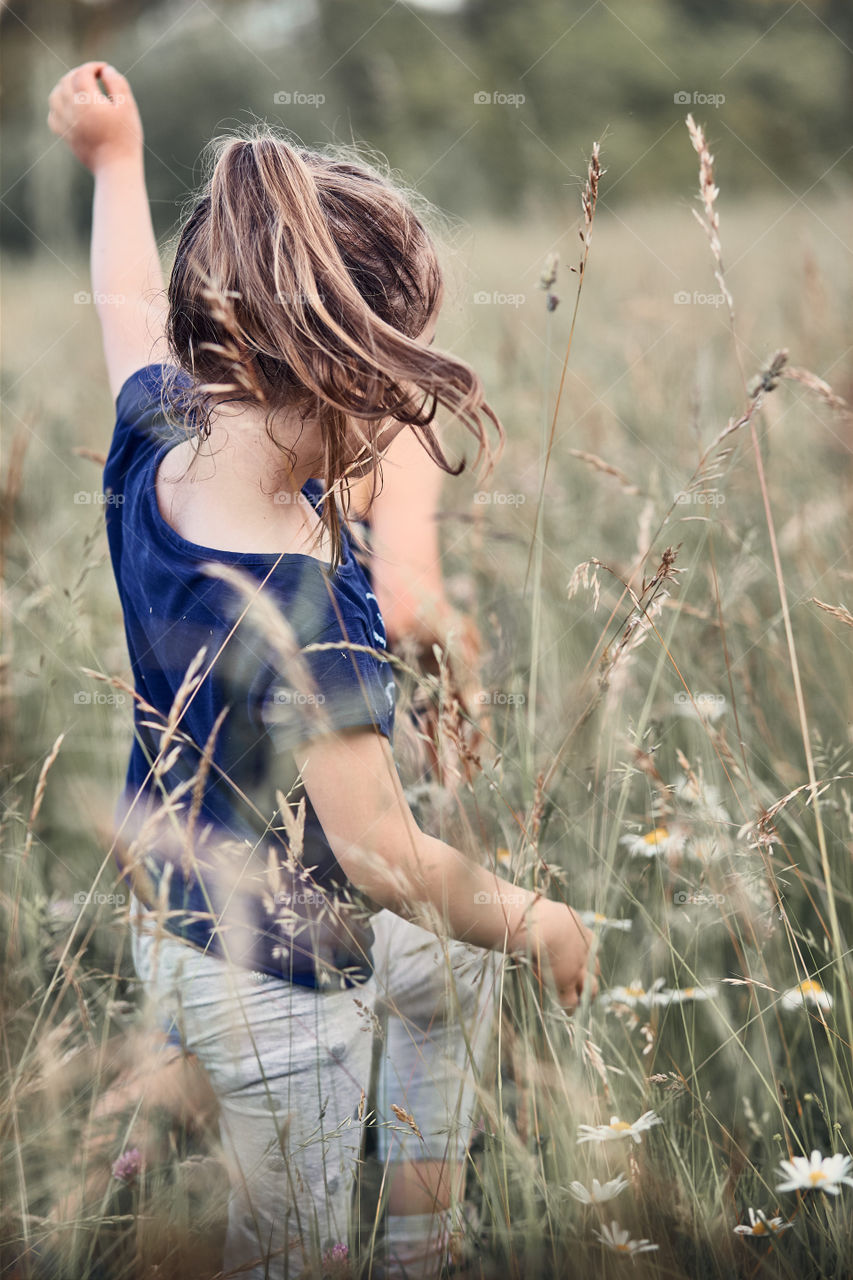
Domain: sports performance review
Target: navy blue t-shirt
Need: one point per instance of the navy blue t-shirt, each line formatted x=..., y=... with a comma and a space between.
x=206, y=819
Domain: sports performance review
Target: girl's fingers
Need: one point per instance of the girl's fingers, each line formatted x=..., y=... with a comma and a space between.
x=58, y=93
x=115, y=83
x=57, y=121
x=83, y=77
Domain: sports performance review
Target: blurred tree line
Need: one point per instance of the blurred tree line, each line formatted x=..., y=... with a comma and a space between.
x=482, y=104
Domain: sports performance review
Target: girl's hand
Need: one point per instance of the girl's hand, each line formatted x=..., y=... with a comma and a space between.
x=448, y=766
x=97, y=128
x=559, y=941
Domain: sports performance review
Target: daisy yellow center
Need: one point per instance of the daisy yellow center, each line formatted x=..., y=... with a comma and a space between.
x=654, y=837
x=759, y=1229
x=816, y=1176
x=811, y=988
x=620, y=1124
x=634, y=991
x=623, y=1248
x=599, y=918
x=690, y=991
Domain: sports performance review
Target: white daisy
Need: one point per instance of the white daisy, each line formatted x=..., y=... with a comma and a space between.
x=816, y=1173
x=658, y=843
x=619, y=1240
x=678, y=995
x=761, y=1225
x=599, y=1193
x=618, y=1129
x=595, y=920
x=632, y=995
x=808, y=992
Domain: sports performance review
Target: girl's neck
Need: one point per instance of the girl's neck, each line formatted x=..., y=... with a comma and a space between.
x=236, y=491
x=241, y=461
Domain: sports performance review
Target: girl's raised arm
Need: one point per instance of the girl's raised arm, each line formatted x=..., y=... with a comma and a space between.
x=105, y=133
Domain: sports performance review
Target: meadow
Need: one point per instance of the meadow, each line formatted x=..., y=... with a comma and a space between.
x=664, y=711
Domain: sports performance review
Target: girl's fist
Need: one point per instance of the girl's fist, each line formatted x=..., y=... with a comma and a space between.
x=98, y=127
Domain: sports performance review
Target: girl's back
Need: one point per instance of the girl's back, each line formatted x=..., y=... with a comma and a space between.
x=181, y=616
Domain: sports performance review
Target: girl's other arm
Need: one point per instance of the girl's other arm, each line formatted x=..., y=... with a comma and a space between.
x=105, y=134
x=406, y=560
x=352, y=782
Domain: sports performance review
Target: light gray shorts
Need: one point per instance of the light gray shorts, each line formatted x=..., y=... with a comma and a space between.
x=291, y=1068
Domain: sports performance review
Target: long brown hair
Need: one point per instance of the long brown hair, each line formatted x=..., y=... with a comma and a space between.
x=300, y=282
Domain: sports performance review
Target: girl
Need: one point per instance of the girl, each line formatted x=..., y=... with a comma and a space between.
x=285, y=900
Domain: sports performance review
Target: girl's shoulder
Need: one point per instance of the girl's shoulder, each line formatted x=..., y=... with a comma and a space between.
x=144, y=417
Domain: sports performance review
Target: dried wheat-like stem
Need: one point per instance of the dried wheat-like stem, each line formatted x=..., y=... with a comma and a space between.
x=294, y=826
x=38, y=799
x=708, y=192
x=589, y=199
x=406, y=1117
x=233, y=348
x=820, y=388
x=608, y=469
x=837, y=611
x=589, y=202
x=645, y=607
x=202, y=773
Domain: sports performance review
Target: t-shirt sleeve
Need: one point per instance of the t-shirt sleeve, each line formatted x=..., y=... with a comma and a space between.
x=333, y=686
x=141, y=423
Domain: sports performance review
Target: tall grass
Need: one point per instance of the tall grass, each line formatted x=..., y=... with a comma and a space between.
x=665, y=742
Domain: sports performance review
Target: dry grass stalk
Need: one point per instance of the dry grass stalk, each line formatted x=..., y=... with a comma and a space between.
x=708, y=192
x=233, y=349
x=837, y=611
x=607, y=468
x=589, y=200
x=28, y=841
x=406, y=1117
x=821, y=388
